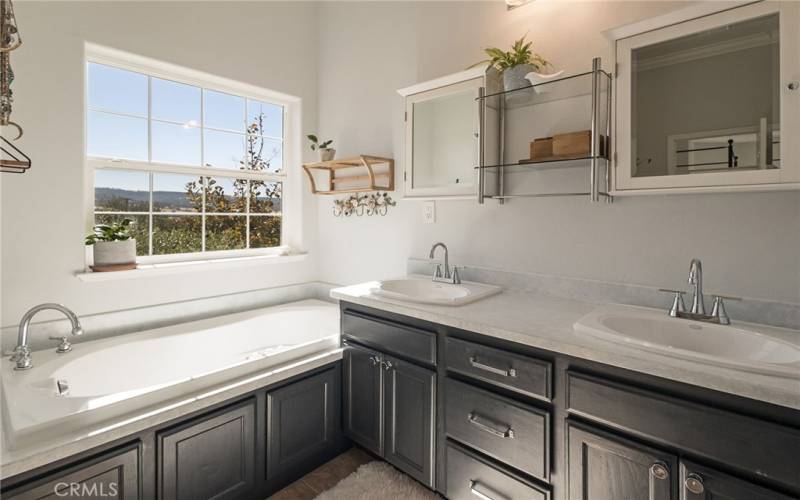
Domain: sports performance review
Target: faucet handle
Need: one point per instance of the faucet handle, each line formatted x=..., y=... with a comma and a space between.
x=64, y=344
x=718, y=311
x=456, y=276
x=437, y=273
x=678, y=306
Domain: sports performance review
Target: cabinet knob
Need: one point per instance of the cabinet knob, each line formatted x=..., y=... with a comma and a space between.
x=374, y=360
x=659, y=470
x=793, y=85
x=387, y=365
x=694, y=483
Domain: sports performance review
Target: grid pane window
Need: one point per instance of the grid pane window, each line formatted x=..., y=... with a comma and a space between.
x=184, y=214
x=203, y=169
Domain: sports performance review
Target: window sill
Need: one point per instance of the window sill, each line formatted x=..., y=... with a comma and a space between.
x=147, y=270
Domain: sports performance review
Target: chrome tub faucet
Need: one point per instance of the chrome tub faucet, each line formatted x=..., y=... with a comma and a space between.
x=22, y=353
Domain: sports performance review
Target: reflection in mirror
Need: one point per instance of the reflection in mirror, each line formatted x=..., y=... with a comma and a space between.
x=708, y=102
x=444, y=140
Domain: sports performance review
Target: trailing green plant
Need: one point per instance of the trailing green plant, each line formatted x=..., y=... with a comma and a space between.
x=316, y=144
x=521, y=53
x=116, y=231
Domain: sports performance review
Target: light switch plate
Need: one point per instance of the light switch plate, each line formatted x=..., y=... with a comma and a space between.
x=428, y=212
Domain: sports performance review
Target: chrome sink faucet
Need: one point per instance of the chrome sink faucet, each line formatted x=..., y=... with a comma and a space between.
x=448, y=277
x=696, y=280
x=22, y=353
x=698, y=310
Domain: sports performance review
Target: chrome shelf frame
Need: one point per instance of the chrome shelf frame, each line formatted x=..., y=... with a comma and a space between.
x=600, y=131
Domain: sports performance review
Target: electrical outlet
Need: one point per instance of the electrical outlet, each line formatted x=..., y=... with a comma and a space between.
x=428, y=212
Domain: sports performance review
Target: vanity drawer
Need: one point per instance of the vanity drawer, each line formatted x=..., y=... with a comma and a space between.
x=389, y=336
x=515, y=434
x=470, y=477
x=516, y=372
x=698, y=429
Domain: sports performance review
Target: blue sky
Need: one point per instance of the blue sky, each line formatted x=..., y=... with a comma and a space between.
x=112, y=90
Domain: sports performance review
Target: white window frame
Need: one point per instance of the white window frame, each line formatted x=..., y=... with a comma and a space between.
x=291, y=194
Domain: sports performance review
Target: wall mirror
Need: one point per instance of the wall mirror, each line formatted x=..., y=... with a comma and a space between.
x=704, y=103
x=442, y=122
x=709, y=101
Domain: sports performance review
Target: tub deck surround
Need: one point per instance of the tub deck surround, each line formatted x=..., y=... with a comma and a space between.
x=538, y=320
x=124, y=384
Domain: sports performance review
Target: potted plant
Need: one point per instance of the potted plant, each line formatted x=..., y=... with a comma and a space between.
x=326, y=153
x=114, y=247
x=516, y=63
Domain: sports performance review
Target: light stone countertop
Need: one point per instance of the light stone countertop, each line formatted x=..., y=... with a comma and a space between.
x=545, y=322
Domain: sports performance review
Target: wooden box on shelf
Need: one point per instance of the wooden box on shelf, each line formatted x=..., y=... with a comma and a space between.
x=542, y=148
x=573, y=144
x=378, y=175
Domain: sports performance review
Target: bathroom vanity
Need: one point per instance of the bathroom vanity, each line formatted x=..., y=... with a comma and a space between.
x=473, y=414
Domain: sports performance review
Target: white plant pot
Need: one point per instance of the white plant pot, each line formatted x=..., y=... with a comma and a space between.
x=514, y=78
x=537, y=78
x=326, y=154
x=111, y=253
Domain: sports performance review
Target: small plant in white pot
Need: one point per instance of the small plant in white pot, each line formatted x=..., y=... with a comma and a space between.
x=326, y=153
x=516, y=63
x=114, y=247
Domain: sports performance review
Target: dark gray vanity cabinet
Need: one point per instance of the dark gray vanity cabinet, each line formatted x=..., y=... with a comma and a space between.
x=409, y=411
x=212, y=457
x=390, y=393
x=602, y=467
x=114, y=475
x=363, y=392
x=703, y=483
x=303, y=422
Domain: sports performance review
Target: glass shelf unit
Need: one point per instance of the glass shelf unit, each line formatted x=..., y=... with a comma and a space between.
x=512, y=119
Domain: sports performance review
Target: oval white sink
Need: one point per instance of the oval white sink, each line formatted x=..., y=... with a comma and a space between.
x=735, y=346
x=431, y=292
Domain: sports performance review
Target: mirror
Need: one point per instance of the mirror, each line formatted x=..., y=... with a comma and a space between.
x=708, y=102
x=444, y=145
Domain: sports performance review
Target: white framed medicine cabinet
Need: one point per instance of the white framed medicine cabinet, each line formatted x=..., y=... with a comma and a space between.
x=444, y=143
x=702, y=104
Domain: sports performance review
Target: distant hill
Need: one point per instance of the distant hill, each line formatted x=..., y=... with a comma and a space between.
x=176, y=201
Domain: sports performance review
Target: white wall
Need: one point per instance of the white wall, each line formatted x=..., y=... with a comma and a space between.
x=269, y=44
x=350, y=57
x=749, y=242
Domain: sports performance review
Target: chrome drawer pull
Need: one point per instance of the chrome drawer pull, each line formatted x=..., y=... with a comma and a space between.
x=473, y=360
x=472, y=489
x=508, y=433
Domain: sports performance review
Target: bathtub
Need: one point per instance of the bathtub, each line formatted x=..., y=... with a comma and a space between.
x=103, y=379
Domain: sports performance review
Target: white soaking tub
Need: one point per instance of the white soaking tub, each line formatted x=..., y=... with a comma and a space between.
x=110, y=378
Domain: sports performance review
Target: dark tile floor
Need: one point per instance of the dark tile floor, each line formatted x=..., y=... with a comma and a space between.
x=324, y=477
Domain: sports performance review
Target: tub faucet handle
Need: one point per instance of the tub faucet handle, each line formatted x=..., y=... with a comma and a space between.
x=63, y=345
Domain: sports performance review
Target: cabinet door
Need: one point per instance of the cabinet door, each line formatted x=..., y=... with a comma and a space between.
x=363, y=394
x=443, y=139
x=303, y=423
x=409, y=402
x=209, y=457
x=689, y=116
x=604, y=467
x=701, y=483
x=115, y=477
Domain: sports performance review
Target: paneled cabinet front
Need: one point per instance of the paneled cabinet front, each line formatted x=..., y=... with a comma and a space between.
x=303, y=424
x=212, y=457
x=114, y=476
x=390, y=409
x=603, y=467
